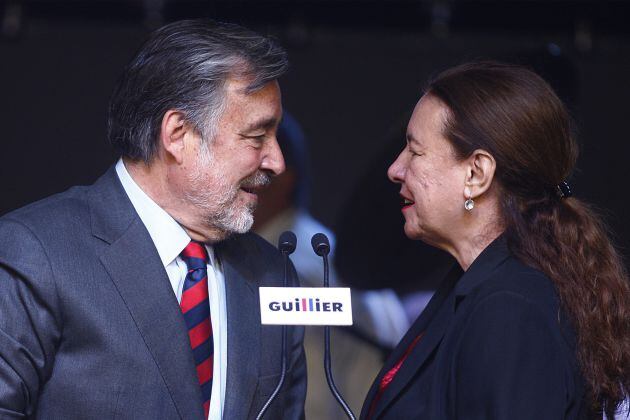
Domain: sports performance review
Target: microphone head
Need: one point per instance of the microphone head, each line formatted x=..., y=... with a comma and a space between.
x=320, y=244
x=287, y=242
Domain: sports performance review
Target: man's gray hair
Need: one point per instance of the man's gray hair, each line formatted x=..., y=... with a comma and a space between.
x=184, y=66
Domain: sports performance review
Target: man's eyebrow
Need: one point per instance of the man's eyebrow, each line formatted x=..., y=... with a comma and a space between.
x=410, y=138
x=266, y=123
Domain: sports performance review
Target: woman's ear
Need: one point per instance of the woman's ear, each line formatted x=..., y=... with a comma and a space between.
x=172, y=133
x=479, y=173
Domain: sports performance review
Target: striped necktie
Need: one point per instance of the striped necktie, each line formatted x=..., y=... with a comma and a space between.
x=196, y=310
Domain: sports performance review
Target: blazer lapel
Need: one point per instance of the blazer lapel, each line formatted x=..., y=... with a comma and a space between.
x=137, y=272
x=487, y=262
x=435, y=317
x=430, y=339
x=243, y=334
x=434, y=321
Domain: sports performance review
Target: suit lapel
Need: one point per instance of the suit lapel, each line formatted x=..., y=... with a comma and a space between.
x=137, y=272
x=243, y=334
x=434, y=317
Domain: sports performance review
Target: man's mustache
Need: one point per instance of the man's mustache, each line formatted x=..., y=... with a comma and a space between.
x=259, y=179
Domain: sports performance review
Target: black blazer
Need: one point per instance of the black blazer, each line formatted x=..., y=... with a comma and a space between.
x=495, y=345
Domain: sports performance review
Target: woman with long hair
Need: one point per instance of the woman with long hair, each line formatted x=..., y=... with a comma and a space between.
x=534, y=323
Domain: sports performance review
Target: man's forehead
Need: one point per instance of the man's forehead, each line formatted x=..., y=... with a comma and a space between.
x=242, y=86
x=262, y=123
x=259, y=110
x=237, y=94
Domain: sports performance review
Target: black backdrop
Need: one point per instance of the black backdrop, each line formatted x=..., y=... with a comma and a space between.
x=356, y=69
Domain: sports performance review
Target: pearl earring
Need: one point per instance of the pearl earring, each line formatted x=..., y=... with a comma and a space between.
x=469, y=204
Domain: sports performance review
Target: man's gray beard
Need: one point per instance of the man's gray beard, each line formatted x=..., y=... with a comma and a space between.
x=220, y=206
x=232, y=218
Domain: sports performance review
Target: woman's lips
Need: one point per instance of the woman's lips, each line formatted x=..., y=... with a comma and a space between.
x=406, y=203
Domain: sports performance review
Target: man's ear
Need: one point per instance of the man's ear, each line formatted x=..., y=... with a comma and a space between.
x=172, y=133
x=480, y=170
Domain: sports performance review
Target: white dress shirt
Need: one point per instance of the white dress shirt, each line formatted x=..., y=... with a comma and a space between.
x=170, y=239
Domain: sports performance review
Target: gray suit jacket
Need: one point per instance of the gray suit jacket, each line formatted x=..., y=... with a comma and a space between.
x=90, y=327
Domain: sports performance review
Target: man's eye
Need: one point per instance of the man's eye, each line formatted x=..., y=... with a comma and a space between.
x=257, y=140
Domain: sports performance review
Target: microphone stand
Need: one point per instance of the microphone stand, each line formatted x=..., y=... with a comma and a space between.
x=287, y=246
x=321, y=246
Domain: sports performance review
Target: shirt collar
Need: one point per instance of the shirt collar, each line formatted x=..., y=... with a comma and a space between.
x=168, y=236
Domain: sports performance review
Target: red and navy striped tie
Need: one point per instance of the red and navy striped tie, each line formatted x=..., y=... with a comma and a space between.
x=196, y=310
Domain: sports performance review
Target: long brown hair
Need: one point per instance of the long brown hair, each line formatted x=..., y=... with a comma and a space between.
x=514, y=114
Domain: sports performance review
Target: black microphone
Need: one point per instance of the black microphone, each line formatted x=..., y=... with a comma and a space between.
x=321, y=246
x=286, y=244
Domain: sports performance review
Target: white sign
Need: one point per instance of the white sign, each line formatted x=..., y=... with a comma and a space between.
x=305, y=306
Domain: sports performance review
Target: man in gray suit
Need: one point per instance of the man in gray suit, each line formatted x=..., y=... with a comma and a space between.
x=137, y=297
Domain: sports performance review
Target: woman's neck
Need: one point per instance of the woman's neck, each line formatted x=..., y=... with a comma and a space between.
x=468, y=249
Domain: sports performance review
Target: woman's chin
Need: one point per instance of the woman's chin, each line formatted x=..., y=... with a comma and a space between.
x=412, y=232
x=429, y=238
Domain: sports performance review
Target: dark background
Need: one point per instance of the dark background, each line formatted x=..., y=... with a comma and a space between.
x=357, y=67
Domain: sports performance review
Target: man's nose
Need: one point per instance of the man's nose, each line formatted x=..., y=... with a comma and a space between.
x=273, y=160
